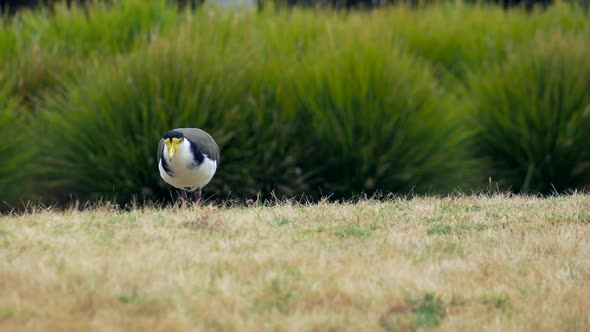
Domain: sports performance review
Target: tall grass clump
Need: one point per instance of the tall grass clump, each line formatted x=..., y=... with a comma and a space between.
x=315, y=111
x=103, y=133
x=43, y=48
x=533, y=116
x=15, y=152
x=458, y=39
x=379, y=121
x=301, y=101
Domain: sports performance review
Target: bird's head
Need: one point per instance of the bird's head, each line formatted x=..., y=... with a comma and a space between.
x=172, y=139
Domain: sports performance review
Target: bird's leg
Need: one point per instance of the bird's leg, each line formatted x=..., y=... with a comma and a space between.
x=183, y=195
x=198, y=195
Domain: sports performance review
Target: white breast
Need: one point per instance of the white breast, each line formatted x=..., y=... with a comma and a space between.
x=185, y=174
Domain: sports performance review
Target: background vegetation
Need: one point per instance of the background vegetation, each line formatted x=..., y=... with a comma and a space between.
x=302, y=102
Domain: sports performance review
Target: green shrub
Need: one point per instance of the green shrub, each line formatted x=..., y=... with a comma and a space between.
x=288, y=94
x=15, y=151
x=533, y=116
x=102, y=136
x=378, y=121
x=456, y=39
x=43, y=49
x=289, y=119
x=459, y=39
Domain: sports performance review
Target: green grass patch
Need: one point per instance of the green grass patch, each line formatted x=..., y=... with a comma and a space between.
x=355, y=230
x=497, y=301
x=437, y=226
x=130, y=298
x=276, y=296
x=428, y=310
x=282, y=221
x=5, y=235
x=421, y=312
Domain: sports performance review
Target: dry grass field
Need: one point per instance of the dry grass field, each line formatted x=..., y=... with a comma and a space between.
x=463, y=264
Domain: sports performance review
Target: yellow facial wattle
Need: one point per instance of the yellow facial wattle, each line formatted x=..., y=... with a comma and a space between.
x=172, y=145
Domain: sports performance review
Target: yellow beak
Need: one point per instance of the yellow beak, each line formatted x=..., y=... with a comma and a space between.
x=172, y=146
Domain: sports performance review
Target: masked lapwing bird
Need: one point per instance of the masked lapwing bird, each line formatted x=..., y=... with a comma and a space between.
x=187, y=160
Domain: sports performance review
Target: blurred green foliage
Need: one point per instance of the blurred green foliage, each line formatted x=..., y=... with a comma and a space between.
x=15, y=153
x=533, y=116
x=42, y=49
x=13, y=6
x=378, y=119
x=101, y=138
x=301, y=101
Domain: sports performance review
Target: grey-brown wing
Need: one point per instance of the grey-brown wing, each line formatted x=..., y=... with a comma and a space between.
x=206, y=143
x=160, y=148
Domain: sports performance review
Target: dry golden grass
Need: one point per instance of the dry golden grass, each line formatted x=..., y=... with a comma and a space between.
x=463, y=264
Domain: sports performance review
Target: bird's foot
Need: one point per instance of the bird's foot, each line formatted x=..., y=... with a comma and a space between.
x=184, y=195
x=198, y=195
